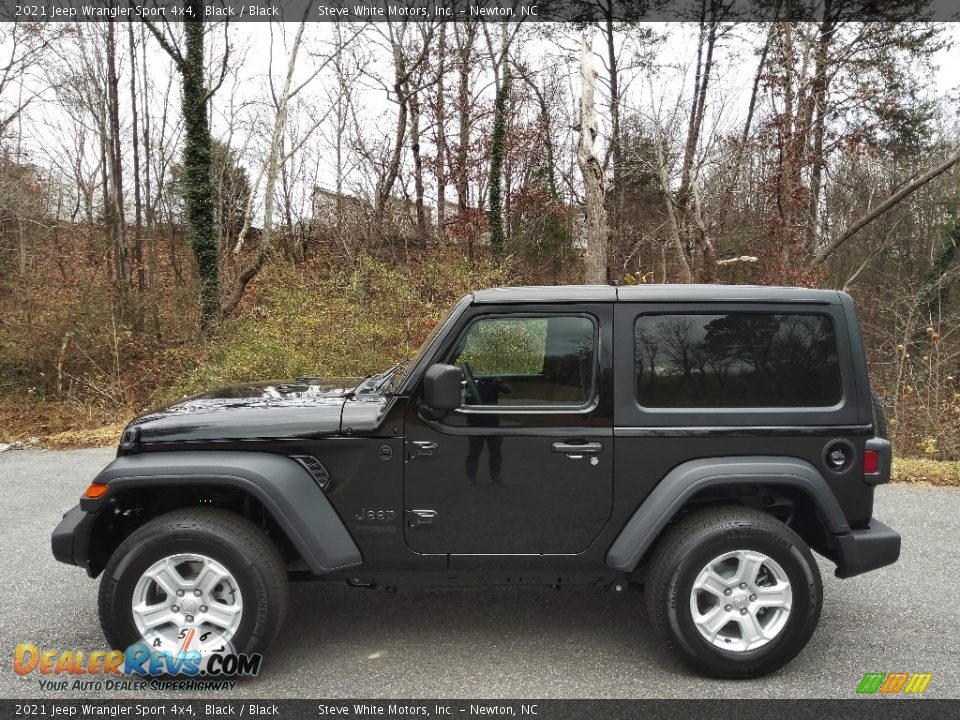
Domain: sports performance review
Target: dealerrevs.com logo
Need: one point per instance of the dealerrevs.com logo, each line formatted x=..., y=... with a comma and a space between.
x=120, y=670
x=894, y=683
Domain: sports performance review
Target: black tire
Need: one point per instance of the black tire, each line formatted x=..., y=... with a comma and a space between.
x=879, y=415
x=687, y=548
x=230, y=539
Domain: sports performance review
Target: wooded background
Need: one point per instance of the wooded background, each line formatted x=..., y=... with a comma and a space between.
x=195, y=204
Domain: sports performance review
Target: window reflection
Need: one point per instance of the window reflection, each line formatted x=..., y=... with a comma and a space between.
x=527, y=361
x=736, y=360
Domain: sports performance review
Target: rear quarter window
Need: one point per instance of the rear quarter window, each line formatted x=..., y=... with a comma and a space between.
x=736, y=360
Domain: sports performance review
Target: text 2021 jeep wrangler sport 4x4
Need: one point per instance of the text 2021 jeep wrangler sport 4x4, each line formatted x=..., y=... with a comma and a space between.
x=697, y=440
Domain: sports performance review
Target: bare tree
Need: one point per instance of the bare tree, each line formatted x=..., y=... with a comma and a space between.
x=277, y=157
x=137, y=190
x=146, y=198
x=440, y=135
x=465, y=36
x=592, y=171
x=500, y=61
x=22, y=44
x=347, y=66
x=115, y=162
x=884, y=206
x=197, y=184
x=409, y=59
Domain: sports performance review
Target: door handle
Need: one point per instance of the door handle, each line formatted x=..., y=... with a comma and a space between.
x=577, y=450
x=420, y=518
x=423, y=448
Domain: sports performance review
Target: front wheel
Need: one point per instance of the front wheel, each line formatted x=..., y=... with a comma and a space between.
x=199, y=579
x=735, y=592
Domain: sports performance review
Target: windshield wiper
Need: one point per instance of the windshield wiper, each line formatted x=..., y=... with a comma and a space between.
x=397, y=373
x=375, y=382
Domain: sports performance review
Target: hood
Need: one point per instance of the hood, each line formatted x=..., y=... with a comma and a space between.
x=304, y=407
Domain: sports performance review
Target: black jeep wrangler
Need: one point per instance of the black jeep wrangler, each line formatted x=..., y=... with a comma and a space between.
x=695, y=441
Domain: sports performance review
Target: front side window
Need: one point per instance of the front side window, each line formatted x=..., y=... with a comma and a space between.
x=527, y=361
x=736, y=360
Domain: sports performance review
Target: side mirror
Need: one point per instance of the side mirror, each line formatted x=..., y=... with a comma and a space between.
x=441, y=390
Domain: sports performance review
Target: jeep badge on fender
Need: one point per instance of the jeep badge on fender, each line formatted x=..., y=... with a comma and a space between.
x=697, y=441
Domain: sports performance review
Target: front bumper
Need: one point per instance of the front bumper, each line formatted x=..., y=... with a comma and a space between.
x=70, y=541
x=861, y=551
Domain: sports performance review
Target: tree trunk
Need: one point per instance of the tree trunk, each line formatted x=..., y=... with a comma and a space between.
x=818, y=131
x=441, y=138
x=616, y=153
x=686, y=204
x=385, y=190
x=498, y=141
x=592, y=171
x=151, y=215
x=137, y=194
x=705, y=46
x=197, y=187
x=298, y=249
x=104, y=169
x=461, y=173
x=198, y=190
x=115, y=167
x=423, y=232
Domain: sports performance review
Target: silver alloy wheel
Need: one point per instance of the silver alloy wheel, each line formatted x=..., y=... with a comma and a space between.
x=741, y=600
x=183, y=592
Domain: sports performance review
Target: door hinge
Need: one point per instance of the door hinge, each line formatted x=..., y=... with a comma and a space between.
x=422, y=448
x=420, y=518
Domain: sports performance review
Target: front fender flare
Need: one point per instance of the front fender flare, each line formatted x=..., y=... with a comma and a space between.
x=689, y=478
x=280, y=484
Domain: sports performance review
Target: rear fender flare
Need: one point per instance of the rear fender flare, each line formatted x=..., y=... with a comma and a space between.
x=689, y=478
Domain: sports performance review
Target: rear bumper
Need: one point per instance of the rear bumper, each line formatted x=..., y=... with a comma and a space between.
x=70, y=541
x=861, y=551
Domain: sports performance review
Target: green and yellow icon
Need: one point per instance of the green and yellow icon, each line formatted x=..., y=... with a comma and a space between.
x=894, y=683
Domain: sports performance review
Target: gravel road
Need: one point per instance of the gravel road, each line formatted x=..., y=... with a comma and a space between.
x=490, y=642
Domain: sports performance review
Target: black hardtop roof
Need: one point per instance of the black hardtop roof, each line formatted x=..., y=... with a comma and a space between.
x=655, y=293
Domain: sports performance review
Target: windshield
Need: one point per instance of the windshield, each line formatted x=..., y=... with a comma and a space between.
x=398, y=373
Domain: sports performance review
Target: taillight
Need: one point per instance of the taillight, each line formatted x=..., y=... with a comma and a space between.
x=876, y=461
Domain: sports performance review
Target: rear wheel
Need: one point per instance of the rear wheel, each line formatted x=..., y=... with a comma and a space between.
x=734, y=592
x=196, y=579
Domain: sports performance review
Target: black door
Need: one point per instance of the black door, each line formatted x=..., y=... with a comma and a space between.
x=525, y=466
